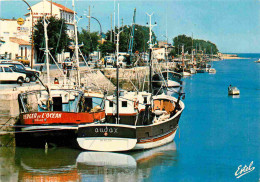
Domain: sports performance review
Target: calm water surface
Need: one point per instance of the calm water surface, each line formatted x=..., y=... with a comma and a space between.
x=217, y=134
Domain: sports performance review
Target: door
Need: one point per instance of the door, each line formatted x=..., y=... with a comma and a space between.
x=57, y=103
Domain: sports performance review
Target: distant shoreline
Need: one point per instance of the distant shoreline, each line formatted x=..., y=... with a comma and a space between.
x=231, y=56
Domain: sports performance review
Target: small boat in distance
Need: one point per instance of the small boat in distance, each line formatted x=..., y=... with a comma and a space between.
x=212, y=70
x=258, y=61
x=233, y=90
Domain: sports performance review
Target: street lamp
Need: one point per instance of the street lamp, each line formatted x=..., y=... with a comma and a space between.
x=32, y=44
x=100, y=31
x=98, y=23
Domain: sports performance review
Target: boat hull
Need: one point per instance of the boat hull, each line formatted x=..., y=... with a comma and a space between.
x=107, y=137
x=39, y=136
x=102, y=137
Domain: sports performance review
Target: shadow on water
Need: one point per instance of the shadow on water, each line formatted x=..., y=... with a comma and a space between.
x=63, y=164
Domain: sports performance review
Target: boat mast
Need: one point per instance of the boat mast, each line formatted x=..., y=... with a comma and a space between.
x=76, y=44
x=182, y=57
x=117, y=70
x=150, y=51
x=46, y=48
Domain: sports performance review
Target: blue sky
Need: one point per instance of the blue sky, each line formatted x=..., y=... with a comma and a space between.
x=234, y=25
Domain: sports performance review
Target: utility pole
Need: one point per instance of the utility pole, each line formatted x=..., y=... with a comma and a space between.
x=89, y=18
x=150, y=54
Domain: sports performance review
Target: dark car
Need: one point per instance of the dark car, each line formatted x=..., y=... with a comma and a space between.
x=31, y=75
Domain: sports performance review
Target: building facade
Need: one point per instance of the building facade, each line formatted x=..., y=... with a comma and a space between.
x=15, y=37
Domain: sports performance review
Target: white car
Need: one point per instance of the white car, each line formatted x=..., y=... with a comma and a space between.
x=7, y=75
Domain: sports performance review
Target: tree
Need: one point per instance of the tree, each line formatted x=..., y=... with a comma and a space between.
x=141, y=37
x=107, y=47
x=90, y=41
x=58, y=38
x=201, y=45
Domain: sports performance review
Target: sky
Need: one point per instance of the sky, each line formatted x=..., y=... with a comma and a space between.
x=233, y=25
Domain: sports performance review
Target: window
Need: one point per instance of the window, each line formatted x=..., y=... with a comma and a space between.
x=110, y=103
x=25, y=52
x=124, y=103
x=12, y=67
x=20, y=67
x=22, y=51
x=1, y=69
x=7, y=69
x=145, y=100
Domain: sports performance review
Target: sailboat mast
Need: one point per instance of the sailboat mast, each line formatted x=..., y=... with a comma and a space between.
x=76, y=44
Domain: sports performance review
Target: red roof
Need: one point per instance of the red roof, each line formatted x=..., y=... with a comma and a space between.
x=19, y=41
x=62, y=7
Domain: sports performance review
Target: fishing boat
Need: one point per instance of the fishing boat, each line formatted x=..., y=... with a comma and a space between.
x=233, y=90
x=51, y=116
x=134, y=120
x=212, y=70
x=258, y=61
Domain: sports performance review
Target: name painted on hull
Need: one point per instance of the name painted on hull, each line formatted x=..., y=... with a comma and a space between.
x=42, y=116
x=106, y=130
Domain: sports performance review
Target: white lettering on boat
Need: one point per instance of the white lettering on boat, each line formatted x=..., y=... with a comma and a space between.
x=42, y=116
x=106, y=130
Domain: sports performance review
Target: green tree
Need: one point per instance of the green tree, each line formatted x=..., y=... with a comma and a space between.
x=201, y=45
x=141, y=37
x=58, y=38
x=90, y=41
x=107, y=47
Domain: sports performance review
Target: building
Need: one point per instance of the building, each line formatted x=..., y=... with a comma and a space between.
x=15, y=34
x=15, y=39
x=158, y=53
x=52, y=9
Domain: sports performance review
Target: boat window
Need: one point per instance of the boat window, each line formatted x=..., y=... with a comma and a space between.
x=145, y=100
x=88, y=104
x=1, y=69
x=110, y=103
x=124, y=103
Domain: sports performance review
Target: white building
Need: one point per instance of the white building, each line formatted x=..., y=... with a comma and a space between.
x=15, y=38
x=52, y=9
x=158, y=53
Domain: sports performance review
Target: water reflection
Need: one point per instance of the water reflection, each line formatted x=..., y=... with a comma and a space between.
x=62, y=164
x=234, y=96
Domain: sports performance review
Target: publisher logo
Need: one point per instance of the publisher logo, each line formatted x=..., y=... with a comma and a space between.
x=241, y=171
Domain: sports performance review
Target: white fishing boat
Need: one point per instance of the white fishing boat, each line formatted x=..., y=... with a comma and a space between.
x=258, y=61
x=134, y=120
x=233, y=90
x=212, y=70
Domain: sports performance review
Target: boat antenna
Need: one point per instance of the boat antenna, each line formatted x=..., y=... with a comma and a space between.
x=76, y=44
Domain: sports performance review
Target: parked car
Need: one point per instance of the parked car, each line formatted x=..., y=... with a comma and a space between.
x=22, y=60
x=31, y=75
x=8, y=75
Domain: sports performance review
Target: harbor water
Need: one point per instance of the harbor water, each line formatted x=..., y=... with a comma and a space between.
x=218, y=135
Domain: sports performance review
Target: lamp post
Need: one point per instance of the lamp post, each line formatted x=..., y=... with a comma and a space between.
x=32, y=44
x=98, y=23
x=100, y=29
